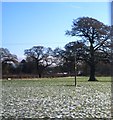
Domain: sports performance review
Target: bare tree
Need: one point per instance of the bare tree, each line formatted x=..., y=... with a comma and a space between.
x=7, y=60
x=96, y=36
x=41, y=56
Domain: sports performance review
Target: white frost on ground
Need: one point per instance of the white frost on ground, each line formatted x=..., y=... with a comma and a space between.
x=84, y=101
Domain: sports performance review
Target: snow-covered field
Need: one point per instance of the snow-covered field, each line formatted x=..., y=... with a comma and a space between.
x=57, y=98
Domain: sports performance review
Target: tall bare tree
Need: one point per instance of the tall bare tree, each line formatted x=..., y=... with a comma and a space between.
x=96, y=36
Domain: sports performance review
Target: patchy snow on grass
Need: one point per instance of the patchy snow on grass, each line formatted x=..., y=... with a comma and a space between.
x=87, y=100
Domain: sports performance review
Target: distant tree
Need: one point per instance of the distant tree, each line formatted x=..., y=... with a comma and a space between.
x=103, y=69
x=6, y=56
x=22, y=67
x=72, y=50
x=8, y=61
x=58, y=55
x=59, y=58
x=82, y=63
x=41, y=56
x=96, y=38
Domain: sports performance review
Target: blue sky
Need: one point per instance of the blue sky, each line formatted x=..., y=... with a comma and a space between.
x=28, y=24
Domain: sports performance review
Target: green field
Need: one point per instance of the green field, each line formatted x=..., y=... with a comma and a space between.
x=56, y=98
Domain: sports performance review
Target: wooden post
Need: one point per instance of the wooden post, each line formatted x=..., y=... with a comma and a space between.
x=75, y=67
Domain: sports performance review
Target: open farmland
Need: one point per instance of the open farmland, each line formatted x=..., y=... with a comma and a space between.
x=56, y=98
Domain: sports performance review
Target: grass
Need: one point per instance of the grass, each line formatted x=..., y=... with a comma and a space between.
x=51, y=81
x=56, y=98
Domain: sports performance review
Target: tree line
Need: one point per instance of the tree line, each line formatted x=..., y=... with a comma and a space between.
x=90, y=53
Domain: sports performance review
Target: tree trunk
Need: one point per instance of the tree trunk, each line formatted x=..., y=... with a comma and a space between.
x=39, y=75
x=38, y=69
x=92, y=64
x=92, y=73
